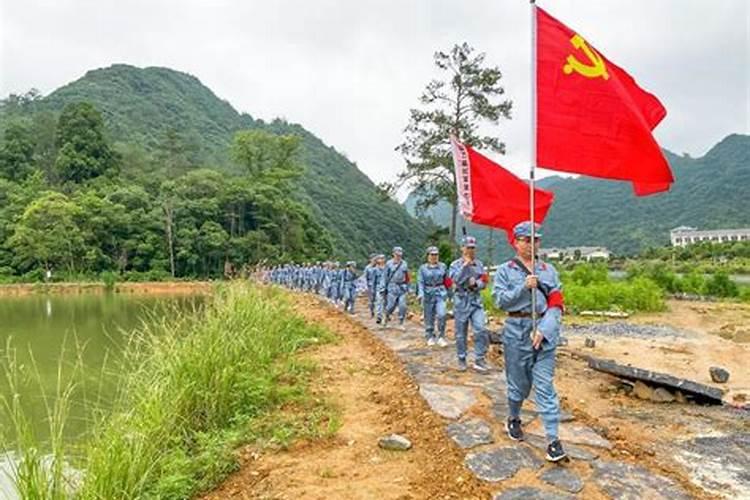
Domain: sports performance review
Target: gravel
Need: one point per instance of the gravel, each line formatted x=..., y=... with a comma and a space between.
x=620, y=329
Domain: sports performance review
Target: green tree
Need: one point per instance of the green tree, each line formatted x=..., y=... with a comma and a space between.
x=267, y=157
x=47, y=234
x=467, y=98
x=84, y=151
x=17, y=150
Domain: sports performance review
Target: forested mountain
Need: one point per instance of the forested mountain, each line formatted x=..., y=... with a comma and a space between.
x=709, y=192
x=164, y=124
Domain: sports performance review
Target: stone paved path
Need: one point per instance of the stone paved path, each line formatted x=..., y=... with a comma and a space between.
x=474, y=407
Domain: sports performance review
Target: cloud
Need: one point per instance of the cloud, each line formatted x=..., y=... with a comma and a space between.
x=350, y=71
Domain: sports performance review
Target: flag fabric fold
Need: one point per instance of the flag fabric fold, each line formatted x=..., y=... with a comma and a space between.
x=492, y=196
x=592, y=117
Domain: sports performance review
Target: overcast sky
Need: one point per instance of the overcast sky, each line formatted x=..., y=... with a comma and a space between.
x=350, y=70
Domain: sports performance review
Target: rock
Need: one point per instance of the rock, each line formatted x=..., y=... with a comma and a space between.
x=449, y=401
x=589, y=342
x=642, y=391
x=501, y=463
x=718, y=374
x=573, y=451
x=631, y=482
x=529, y=493
x=718, y=464
x=680, y=397
x=471, y=433
x=661, y=395
x=577, y=434
x=395, y=442
x=621, y=329
x=699, y=392
x=562, y=478
x=562, y=341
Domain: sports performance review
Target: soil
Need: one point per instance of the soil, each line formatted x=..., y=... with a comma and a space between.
x=375, y=397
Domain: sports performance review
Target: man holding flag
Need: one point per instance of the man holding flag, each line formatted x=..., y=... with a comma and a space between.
x=529, y=346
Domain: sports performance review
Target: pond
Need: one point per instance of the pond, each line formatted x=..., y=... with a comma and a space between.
x=90, y=331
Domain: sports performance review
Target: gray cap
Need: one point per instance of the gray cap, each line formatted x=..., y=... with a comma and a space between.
x=398, y=250
x=523, y=229
x=432, y=250
x=468, y=241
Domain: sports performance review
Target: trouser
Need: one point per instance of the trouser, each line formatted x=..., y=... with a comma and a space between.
x=526, y=367
x=350, y=293
x=434, y=309
x=474, y=314
x=371, y=299
x=380, y=299
x=396, y=297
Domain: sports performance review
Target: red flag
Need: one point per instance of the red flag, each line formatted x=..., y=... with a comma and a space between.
x=490, y=195
x=592, y=117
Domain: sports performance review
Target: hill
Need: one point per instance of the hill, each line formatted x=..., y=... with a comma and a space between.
x=709, y=192
x=145, y=108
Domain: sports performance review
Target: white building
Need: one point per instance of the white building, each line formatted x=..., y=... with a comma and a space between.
x=684, y=235
x=575, y=253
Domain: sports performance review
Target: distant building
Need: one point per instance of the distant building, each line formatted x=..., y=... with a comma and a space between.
x=684, y=235
x=575, y=253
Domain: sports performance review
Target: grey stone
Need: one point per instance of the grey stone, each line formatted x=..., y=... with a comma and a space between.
x=449, y=401
x=574, y=452
x=589, y=342
x=578, y=434
x=622, y=329
x=562, y=478
x=501, y=463
x=718, y=374
x=631, y=482
x=661, y=395
x=470, y=433
x=395, y=442
x=687, y=387
x=718, y=464
x=529, y=493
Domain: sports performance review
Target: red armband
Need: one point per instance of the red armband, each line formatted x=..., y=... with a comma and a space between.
x=556, y=299
x=485, y=277
x=447, y=282
x=407, y=277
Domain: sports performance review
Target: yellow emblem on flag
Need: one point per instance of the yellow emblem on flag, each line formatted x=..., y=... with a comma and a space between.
x=597, y=67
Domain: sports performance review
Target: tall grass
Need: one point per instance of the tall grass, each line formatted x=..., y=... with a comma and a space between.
x=197, y=386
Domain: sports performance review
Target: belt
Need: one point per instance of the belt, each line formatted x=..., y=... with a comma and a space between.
x=519, y=314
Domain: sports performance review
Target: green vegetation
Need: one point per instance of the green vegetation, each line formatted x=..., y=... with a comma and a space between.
x=195, y=387
x=163, y=125
x=461, y=104
x=97, y=212
x=715, y=285
x=709, y=193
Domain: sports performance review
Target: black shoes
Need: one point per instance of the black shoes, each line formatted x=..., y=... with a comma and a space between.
x=515, y=431
x=555, y=451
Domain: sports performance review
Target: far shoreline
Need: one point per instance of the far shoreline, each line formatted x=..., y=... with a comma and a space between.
x=146, y=287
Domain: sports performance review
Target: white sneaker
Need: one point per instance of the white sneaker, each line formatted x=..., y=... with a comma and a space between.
x=430, y=342
x=442, y=342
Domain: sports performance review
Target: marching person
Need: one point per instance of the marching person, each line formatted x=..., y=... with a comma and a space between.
x=370, y=272
x=529, y=349
x=377, y=282
x=432, y=290
x=349, y=286
x=396, y=284
x=469, y=277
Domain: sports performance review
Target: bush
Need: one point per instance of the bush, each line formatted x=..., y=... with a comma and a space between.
x=720, y=285
x=638, y=294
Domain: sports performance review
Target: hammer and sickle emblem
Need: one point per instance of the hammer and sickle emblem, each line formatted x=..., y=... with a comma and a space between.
x=597, y=67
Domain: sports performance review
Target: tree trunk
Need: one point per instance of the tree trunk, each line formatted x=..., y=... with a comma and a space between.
x=170, y=240
x=454, y=213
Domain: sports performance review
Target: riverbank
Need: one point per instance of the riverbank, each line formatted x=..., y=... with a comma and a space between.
x=148, y=287
x=195, y=387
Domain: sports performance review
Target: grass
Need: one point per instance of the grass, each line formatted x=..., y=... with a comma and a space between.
x=196, y=388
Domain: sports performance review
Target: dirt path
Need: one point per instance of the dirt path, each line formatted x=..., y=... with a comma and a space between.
x=375, y=397
x=381, y=381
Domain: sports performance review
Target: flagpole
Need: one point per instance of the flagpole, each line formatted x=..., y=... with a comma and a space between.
x=532, y=180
